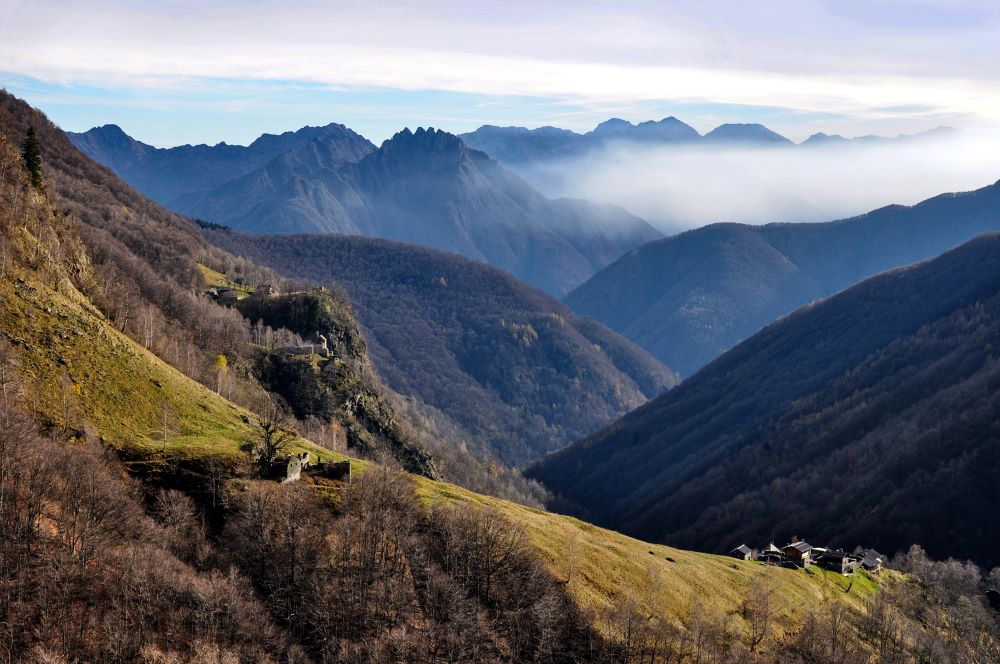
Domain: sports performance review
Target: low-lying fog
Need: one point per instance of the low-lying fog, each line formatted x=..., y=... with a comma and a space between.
x=684, y=187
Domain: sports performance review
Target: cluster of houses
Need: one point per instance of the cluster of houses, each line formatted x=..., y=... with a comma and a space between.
x=799, y=553
x=289, y=468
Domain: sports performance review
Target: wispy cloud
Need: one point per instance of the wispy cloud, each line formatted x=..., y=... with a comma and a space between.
x=880, y=62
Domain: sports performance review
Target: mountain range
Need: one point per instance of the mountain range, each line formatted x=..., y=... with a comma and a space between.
x=519, y=147
x=868, y=416
x=425, y=187
x=689, y=297
x=164, y=174
x=514, y=371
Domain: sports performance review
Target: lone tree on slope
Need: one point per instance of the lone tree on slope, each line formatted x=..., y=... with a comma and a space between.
x=31, y=152
x=273, y=433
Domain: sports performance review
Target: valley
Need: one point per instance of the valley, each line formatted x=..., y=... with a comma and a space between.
x=355, y=333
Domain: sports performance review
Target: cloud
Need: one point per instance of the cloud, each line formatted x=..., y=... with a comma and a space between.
x=686, y=187
x=807, y=56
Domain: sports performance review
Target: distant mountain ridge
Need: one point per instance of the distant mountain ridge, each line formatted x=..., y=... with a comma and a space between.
x=509, y=366
x=689, y=297
x=429, y=188
x=164, y=174
x=520, y=147
x=871, y=416
x=821, y=138
x=425, y=187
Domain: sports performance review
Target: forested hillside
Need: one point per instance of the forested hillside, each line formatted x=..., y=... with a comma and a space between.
x=495, y=362
x=872, y=416
x=688, y=298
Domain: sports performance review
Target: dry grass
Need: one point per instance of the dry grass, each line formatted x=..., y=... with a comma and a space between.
x=121, y=388
x=603, y=567
x=75, y=364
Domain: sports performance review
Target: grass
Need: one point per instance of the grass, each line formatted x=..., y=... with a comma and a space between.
x=74, y=362
x=603, y=567
x=215, y=279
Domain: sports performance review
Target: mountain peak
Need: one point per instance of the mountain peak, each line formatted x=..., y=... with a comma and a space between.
x=669, y=129
x=111, y=144
x=109, y=129
x=110, y=134
x=824, y=138
x=423, y=139
x=612, y=126
x=745, y=132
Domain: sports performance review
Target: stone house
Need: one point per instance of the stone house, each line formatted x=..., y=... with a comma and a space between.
x=872, y=561
x=798, y=552
x=334, y=470
x=836, y=560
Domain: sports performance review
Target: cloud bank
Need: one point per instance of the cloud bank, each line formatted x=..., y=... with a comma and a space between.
x=684, y=187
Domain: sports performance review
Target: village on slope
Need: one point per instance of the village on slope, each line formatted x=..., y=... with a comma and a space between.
x=800, y=554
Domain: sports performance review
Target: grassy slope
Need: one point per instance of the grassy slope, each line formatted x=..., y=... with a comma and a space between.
x=119, y=385
x=122, y=386
x=610, y=566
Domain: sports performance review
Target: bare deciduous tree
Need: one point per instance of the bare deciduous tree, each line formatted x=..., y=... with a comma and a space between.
x=758, y=613
x=273, y=433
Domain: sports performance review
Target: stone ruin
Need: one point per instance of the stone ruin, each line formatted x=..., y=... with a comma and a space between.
x=289, y=468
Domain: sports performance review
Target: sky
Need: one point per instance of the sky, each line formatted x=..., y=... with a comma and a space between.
x=171, y=72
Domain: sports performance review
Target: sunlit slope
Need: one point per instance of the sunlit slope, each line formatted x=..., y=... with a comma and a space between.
x=604, y=570
x=79, y=368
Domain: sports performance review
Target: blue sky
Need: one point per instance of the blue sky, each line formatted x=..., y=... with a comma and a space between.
x=178, y=71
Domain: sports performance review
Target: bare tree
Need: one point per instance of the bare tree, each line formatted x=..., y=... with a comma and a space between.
x=838, y=623
x=9, y=381
x=167, y=421
x=273, y=433
x=69, y=393
x=758, y=613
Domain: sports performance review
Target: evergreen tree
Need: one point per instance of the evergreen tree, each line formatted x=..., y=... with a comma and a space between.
x=31, y=152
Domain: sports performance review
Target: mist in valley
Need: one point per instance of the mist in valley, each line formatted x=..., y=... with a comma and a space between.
x=680, y=187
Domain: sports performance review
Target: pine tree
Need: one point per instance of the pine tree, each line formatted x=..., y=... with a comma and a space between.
x=31, y=152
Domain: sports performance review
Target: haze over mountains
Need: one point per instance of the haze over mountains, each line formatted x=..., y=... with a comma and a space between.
x=514, y=371
x=743, y=173
x=689, y=297
x=870, y=416
x=426, y=187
